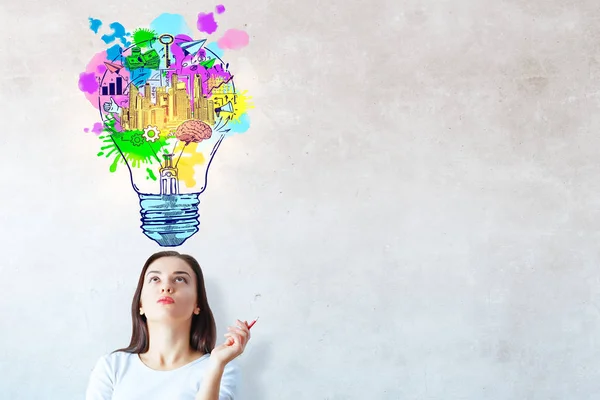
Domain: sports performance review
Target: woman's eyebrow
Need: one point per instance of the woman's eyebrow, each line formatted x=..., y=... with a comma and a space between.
x=175, y=273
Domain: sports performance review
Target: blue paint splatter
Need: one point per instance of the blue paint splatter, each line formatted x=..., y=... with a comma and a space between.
x=240, y=126
x=95, y=24
x=140, y=76
x=114, y=53
x=118, y=33
x=214, y=47
x=173, y=24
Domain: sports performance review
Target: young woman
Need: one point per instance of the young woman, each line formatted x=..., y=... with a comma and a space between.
x=172, y=353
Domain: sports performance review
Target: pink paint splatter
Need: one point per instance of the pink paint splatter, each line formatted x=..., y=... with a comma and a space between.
x=220, y=9
x=94, y=71
x=207, y=23
x=88, y=82
x=233, y=39
x=97, y=129
x=118, y=126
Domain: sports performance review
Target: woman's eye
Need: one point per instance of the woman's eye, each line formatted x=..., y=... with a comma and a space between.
x=182, y=279
x=154, y=279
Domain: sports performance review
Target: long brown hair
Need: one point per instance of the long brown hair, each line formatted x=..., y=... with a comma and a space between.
x=203, y=331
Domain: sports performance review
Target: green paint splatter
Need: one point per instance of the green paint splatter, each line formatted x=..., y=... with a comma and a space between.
x=138, y=154
x=151, y=174
x=113, y=166
x=143, y=37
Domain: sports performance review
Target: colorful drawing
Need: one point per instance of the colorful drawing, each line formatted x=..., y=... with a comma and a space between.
x=167, y=100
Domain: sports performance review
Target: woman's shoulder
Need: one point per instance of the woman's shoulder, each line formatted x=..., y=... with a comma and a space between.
x=112, y=359
x=118, y=355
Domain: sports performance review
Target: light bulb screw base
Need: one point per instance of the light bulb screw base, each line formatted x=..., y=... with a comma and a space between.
x=169, y=219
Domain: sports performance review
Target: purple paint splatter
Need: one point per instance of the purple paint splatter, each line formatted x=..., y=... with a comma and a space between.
x=207, y=23
x=118, y=126
x=220, y=9
x=97, y=129
x=88, y=82
x=192, y=69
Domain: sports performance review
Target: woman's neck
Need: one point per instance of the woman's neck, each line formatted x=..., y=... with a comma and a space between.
x=169, y=346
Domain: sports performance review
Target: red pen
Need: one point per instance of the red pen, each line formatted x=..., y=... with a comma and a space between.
x=250, y=325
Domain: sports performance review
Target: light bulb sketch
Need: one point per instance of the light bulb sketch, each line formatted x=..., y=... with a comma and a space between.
x=167, y=101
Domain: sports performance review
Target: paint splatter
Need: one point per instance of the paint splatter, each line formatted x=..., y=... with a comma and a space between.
x=206, y=23
x=240, y=125
x=143, y=37
x=88, y=82
x=119, y=33
x=140, y=76
x=243, y=103
x=173, y=24
x=234, y=39
x=150, y=174
x=97, y=68
x=95, y=24
x=220, y=9
x=114, y=53
x=136, y=153
x=215, y=49
x=190, y=158
x=97, y=129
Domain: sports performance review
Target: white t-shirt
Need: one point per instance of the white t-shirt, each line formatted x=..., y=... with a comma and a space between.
x=123, y=376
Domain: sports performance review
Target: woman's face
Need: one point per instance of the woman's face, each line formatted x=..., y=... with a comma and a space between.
x=169, y=290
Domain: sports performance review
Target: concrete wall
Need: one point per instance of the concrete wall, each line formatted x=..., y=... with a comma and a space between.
x=413, y=213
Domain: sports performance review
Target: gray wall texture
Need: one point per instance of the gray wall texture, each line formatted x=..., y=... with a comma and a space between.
x=413, y=213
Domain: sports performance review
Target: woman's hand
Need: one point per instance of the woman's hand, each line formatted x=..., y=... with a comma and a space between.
x=237, y=338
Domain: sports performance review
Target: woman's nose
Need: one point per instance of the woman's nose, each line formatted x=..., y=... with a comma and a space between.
x=167, y=289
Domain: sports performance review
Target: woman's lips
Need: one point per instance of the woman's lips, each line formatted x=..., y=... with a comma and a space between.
x=166, y=300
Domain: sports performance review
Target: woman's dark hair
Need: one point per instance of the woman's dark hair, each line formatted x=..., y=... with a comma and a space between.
x=203, y=331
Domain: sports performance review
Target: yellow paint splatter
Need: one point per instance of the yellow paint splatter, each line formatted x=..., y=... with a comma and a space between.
x=189, y=158
x=243, y=102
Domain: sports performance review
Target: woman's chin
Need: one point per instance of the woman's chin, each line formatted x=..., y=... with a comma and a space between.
x=168, y=316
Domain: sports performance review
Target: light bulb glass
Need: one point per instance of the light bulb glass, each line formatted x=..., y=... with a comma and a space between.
x=167, y=102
